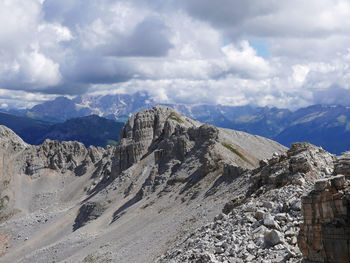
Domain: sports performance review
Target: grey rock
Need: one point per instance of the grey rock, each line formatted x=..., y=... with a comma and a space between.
x=270, y=222
x=322, y=184
x=259, y=214
x=273, y=238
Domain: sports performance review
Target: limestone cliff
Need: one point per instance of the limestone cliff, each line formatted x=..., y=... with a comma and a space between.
x=325, y=233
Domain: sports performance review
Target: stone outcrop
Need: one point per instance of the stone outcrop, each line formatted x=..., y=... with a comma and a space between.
x=9, y=141
x=325, y=233
x=303, y=161
x=342, y=164
x=181, y=150
x=88, y=212
x=64, y=157
x=168, y=134
x=141, y=130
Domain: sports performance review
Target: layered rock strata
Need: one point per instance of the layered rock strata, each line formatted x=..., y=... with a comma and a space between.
x=325, y=233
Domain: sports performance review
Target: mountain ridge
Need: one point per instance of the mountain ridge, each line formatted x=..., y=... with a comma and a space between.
x=282, y=125
x=90, y=130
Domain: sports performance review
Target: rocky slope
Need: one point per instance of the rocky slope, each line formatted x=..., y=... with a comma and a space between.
x=261, y=223
x=295, y=208
x=62, y=202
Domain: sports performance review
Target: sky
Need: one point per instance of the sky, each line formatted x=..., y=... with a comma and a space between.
x=287, y=54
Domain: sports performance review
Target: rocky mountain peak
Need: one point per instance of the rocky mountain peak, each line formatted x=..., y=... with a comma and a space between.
x=10, y=140
x=145, y=128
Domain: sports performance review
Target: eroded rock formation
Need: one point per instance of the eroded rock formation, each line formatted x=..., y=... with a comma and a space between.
x=325, y=233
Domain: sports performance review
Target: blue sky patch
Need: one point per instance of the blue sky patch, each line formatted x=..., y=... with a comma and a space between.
x=261, y=47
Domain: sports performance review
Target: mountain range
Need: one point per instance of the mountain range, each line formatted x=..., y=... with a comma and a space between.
x=323, y=125
x=90, y=130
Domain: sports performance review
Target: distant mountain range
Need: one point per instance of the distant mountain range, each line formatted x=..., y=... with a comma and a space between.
x=90, y=130
x=322, y=125
x=117, y=107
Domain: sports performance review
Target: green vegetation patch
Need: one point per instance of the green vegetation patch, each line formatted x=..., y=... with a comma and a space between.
x=6, y=216
x=6, y=183
x=236, y=152
x=176, y=118
x=3, y=202
x=90, y=259
x=111, y=142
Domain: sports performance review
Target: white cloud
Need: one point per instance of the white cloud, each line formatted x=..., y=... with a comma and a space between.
x=18, y=19
x=53, y=33
x=40, y=70
x=245, y=59
x=195, y=51
x=299, y=73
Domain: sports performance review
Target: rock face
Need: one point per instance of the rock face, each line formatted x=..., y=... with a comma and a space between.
x=325, y=233
x=138, y=134
x=169, y=140
x=342, y=165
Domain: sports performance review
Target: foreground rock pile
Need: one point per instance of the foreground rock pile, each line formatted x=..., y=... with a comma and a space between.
x=263, y=225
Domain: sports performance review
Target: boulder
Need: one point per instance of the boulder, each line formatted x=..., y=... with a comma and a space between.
x=273, y=238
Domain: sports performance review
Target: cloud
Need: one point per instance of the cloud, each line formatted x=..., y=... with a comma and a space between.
x=274, y=53
x=333, y=95
x=148, y=39
x=100, y=70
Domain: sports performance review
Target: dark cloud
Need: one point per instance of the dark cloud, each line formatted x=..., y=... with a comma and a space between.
x=228, y=13
x=70, y=88
x=148, y=39
x=72, y=13
x=333, y=95
x=99, y=70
